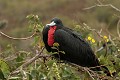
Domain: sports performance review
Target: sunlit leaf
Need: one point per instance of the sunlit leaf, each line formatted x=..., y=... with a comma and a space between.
x=119, y=74
x=56, y=44
x=30, y=16
x=54, y=47
x=4, y=68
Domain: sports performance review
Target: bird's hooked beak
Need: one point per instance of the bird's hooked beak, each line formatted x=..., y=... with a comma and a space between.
x=51, y=24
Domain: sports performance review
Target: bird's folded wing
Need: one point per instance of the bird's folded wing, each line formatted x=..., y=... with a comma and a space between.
x=75, y=47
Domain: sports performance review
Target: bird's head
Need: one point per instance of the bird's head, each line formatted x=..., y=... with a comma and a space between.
x=55, y=22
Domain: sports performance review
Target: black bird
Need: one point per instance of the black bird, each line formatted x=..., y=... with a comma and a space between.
x=76, y=49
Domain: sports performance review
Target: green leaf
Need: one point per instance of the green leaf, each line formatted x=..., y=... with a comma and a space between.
x=30, y=16
x=40, y=27
x=62, y=52
x=31, y=28
x=102, y=59
x=4, y=68
x=119, y=74
x=1, y=75
x=50, y=62
x=3, y=24
x=42, y=77
x=36, y=39
x=56, y=44
x=19, y=60
x=54, y=48
x=29, y=76
x=34, y=73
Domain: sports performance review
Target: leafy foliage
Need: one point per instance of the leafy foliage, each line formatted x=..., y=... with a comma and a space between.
x=48, y=68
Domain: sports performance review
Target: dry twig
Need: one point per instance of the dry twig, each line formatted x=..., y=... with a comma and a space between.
x=118, y=27
x=103, y=5
x=99, y=34
x=92, y=74
x=17, y=38
x=86, y=69
x=29, y=62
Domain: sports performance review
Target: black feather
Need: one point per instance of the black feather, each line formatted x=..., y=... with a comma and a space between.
x=76, y=49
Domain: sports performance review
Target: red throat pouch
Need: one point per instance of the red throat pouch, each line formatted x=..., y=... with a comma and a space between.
x=51, y=35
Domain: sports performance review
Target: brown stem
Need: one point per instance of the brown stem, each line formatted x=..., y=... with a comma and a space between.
x=29, y=62
x=17, y=38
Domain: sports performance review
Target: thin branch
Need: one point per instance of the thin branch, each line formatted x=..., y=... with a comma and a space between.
x=118, y=38
x=86, y=69
x=92, y=74
x=98, y=33
x=93, y=30
x=102, y=5
x=118, y=27
x=17, y=38
x=99, y=2
x=34, y=58
x=10, y=58
x=90, y=7
x=29, y=62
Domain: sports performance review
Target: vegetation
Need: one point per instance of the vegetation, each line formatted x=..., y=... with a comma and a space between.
x=39, y=65
x=26, y=58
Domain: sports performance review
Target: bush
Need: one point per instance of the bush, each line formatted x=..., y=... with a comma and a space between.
x=38, y=64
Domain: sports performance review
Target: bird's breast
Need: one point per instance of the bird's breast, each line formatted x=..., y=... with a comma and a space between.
x=51, y=35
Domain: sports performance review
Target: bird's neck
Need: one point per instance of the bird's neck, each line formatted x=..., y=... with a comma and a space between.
x=51, y=35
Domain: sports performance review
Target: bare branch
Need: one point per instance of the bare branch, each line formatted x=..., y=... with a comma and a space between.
x=90, y=7
x=29, y=62
x=118, y=27
x=99, y=34
x=10, y=58
x=99, y=2
x=92, y=74
x=102, y=5
x=17, y=38
x=94, y=30
x=86, y=69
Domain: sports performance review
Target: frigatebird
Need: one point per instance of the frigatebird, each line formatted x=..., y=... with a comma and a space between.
x=77, y=50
